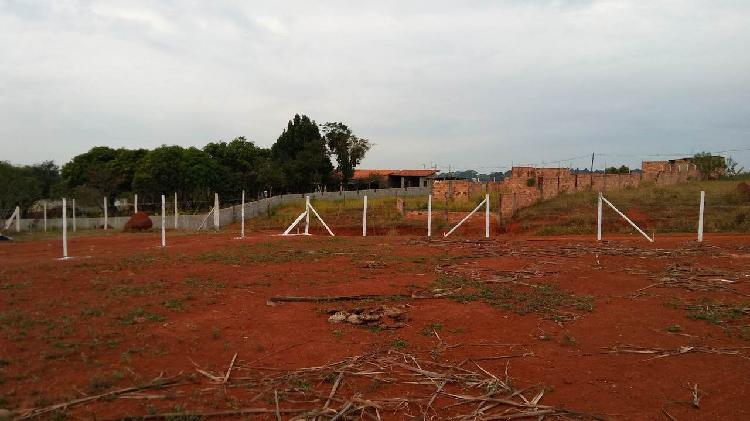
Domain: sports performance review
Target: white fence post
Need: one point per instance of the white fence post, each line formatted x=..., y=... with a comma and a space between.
x=487, y=216
x=242, y=215
x=700, y=216
x=136, y=203
x=429, y=215
x=45, y=216
x=599, y=219
x=65, y=227
x=216, y=211
x=18, y=219
x=176, y=215
x=307, y=215
x=163, y=217
x=105, y=212
x=74, y=215
x=364, y=217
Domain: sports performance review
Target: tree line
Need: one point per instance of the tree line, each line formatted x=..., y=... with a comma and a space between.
x=298, y=162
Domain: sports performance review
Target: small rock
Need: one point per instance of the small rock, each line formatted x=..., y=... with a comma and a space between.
x=337, y=317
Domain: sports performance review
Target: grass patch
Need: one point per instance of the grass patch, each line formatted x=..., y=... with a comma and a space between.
x=545, y=299
x=731, y=317
x=139, y=315
x=400, y=343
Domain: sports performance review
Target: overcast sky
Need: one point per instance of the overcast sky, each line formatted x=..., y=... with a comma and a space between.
x=473, y=84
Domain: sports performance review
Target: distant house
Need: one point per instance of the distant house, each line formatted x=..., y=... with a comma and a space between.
x=394, y=178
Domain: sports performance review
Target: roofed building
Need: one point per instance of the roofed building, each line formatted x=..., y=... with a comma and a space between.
x=395, y=178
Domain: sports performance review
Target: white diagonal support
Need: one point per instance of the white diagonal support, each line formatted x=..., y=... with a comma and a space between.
x=296, y=221
x=321, y=221
x=466, y=217
x=627, y=219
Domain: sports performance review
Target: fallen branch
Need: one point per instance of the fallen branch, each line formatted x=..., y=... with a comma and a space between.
x=157, y=383
x=333, y=298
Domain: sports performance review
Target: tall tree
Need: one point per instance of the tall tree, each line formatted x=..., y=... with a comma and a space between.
x=19, y=187
x=301, y=154
x=239, y=162
x=348, y=149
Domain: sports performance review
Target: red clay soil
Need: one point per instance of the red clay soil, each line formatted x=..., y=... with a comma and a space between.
x=139, y=222
x=125, y=311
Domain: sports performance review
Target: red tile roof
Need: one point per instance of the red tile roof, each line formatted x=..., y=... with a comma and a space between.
x=403, y=173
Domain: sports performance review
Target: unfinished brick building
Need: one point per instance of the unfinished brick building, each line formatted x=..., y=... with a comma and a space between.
x=528, y=185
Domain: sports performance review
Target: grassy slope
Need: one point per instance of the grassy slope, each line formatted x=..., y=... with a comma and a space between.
x=653, y=208
x=381, y=212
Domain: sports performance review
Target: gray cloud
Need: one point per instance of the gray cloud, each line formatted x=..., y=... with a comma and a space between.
x=477, y=84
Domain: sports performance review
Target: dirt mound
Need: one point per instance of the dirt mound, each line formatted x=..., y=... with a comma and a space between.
x=744, y=189
x=138, y=222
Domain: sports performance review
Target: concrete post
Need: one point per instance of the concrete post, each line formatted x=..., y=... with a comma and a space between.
x=136, y=203
x=429, y=215
x=176, y=215
x=599, y=219
x=364, y=217
x=18, y=219
x=307, y=215
x=216, y=211
x=163, y=221
x=242, y=215
x=487, y=215
x=45, y=216
x=74, y=215
x=105, y=212
x=65, y=227
x=700, y=217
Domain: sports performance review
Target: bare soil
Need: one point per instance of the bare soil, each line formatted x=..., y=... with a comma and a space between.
x=594, y=326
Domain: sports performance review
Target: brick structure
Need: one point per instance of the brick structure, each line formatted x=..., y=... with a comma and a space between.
x=528, y=185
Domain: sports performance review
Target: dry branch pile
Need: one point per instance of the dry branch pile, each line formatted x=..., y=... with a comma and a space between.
x=380, y=385
x=489, y=248
x=693, y=278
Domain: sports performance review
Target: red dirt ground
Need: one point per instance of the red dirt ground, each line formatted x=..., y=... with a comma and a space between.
x=125, y=311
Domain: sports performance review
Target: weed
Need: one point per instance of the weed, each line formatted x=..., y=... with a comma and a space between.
x=173, y=304
x=374, y=329
x=674, y=329
x=91, y=312
x=400, y=343
x=337, y=333
x=138, y=315
x=430, y=329
x=300, y=384
x=568, y=340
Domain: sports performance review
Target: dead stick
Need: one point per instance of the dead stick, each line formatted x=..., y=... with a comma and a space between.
x=314, y=299
x=229, y=370
x=243, y=411
x=276, y=400
x=159, y=383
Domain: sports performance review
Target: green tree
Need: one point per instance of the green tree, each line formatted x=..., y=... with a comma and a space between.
x=301, y=154
x=19, y=187
x=160, y=171
x=348, y=149
x=108, y=171
x=709, y=165
x=94, y=169
x=239, y=162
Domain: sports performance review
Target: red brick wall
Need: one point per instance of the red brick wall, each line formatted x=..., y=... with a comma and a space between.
x=549, y=182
